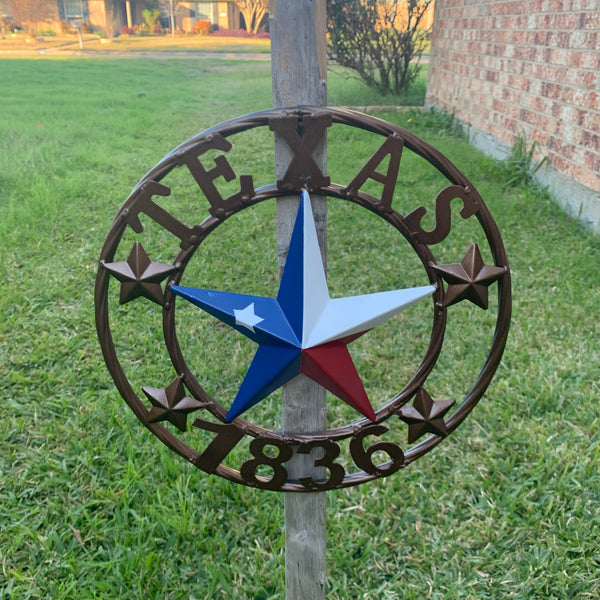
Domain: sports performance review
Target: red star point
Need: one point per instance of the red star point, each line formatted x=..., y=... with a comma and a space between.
x=331, y=366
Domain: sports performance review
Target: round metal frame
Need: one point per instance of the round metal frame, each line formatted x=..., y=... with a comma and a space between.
x=302, y=128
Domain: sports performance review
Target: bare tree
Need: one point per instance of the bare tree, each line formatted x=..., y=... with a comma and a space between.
x=112, y=19
x=168, y=7
x=172, y=17
x=378, y=39
x=253, y=12
x=29, y=13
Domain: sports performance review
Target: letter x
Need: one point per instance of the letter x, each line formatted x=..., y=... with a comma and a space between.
x=302, y=135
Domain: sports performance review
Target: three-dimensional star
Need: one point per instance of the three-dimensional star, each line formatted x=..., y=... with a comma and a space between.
x=139, y=276
x=303, y=330
x=425, y=416
x=247, y=317
x=171, y=404
x=469, y=279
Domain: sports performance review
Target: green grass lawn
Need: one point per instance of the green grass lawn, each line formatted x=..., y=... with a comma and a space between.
x=93, y=506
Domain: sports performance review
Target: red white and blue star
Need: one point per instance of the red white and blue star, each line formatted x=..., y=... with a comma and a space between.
x=303, y=330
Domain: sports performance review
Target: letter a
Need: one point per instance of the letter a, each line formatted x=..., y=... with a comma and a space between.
x=393, y=147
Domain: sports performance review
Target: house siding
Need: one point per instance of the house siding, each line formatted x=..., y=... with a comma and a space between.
x=506, y=68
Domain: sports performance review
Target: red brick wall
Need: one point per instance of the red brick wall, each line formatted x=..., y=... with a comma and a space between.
x=523, y=65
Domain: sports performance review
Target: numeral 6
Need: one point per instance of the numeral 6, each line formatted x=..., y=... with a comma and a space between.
x=363, y=459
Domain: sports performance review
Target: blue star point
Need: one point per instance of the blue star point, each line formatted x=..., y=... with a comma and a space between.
x=303, y=330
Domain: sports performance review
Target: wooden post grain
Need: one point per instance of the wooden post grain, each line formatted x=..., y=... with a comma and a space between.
x=299, y=78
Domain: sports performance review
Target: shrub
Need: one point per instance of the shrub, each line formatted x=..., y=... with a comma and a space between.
x=151, y=18
x=378, y=40
x=7, y=25
x=126, y=30
x=202, y=28
x=520, y=166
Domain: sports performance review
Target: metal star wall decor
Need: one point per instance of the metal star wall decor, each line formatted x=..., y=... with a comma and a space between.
x=171, y=404
x=425, y=416
x=139, y=276
x=469, y=279
x=301, y=328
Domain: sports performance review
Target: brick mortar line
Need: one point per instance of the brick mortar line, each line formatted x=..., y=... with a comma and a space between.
x=520, y=61
x=526, y=46
x=584, y=11
x=585, y=70
x=562, y=85
x=591, y=30
x=568, y=86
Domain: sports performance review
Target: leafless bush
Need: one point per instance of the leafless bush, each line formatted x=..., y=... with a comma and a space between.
x=378, y=39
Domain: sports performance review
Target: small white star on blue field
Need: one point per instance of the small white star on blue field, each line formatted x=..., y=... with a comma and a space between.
x=247, y=317
x=303, y=330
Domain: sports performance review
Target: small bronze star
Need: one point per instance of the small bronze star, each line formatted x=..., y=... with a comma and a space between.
x=139, y=276
x=171, y=404
x=469, y=279
x=425, y=416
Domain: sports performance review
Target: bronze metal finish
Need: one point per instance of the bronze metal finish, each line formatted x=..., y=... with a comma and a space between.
x=141, y=279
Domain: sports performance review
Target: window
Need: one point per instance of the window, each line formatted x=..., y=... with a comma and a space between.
x=4, y=12
x=74, y=9
x=205, y=11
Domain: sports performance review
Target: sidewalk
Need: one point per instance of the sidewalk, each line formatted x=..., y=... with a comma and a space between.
x=59, y=52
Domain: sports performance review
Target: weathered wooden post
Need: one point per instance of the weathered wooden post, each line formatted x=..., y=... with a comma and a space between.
x=299, y=78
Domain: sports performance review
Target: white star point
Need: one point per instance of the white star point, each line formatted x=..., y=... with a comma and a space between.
x=343, y=317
